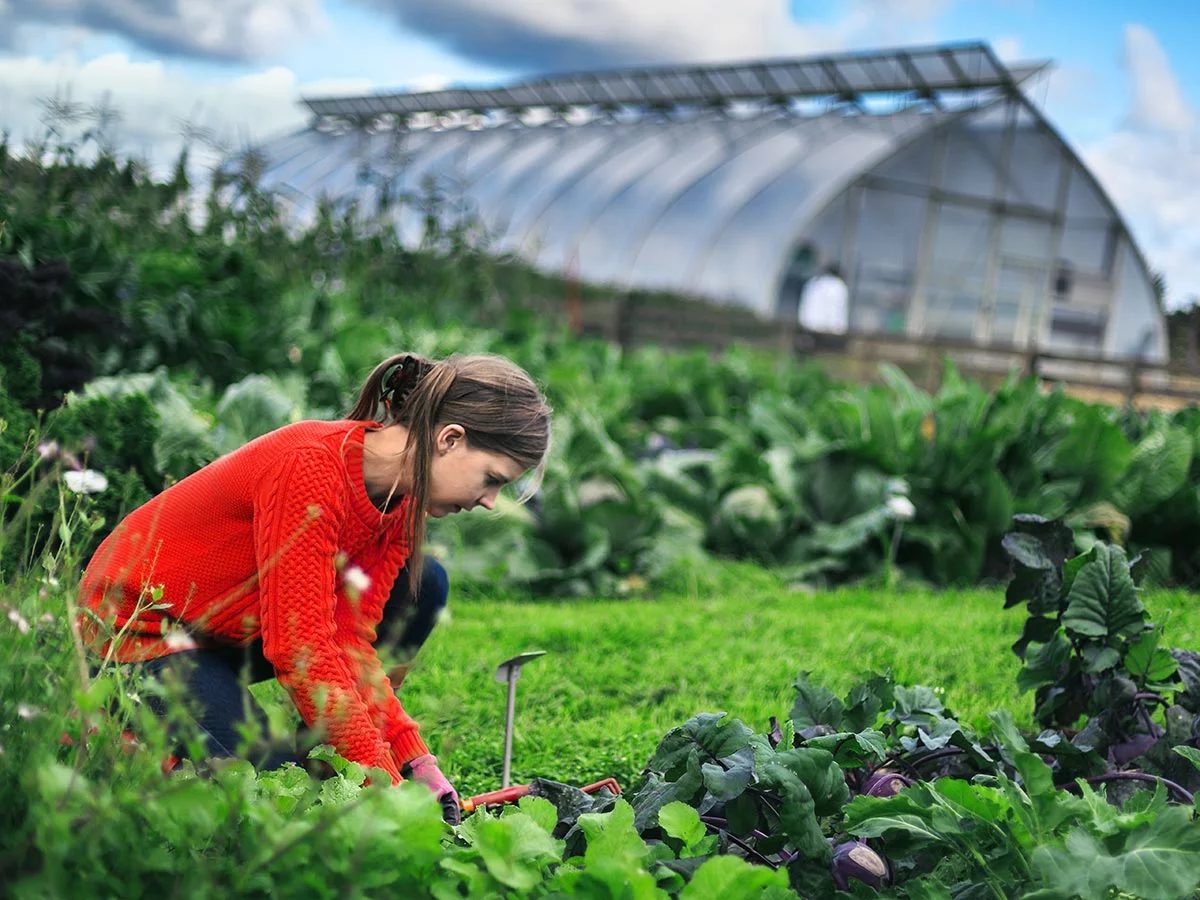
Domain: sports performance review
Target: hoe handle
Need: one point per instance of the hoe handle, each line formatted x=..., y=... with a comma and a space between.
x=515, y=792
x=509, y=794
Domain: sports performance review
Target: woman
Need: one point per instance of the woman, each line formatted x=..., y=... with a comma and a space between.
x=285, y=553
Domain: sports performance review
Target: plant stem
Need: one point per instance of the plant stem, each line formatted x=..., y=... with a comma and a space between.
x=738, y=841
x=1183, y=794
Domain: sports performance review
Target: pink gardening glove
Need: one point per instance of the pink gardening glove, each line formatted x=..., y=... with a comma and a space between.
x=424, y=769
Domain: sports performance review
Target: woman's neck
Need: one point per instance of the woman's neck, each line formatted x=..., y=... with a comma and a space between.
x=382, y=459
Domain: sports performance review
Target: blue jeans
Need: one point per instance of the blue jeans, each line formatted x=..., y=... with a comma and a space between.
x=215, y=679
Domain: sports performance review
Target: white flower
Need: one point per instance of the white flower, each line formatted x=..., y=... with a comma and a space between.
x=48, y=449
x=901, y=507
x=27, y=712
x=19, y=620
x=178, y=639
x=356, y=579
x=86, y=481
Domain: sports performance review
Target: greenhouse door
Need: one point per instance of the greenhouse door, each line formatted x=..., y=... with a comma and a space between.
x=1020, y=293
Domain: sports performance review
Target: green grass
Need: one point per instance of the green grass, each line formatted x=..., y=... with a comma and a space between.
x=619, y=674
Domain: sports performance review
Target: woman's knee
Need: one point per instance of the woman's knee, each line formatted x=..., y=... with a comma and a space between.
x=410, y=623
x=433, y=592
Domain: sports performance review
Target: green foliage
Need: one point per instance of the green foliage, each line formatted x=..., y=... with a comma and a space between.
x=723, y=811
x=1088, y=646
x=660, y=457
x=141, y=344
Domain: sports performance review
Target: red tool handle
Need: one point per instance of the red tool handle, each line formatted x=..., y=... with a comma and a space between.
x=610, y=783
x=515, y=792
x=510, y=794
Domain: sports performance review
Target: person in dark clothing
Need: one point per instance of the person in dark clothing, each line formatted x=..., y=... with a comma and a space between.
x=801, y=268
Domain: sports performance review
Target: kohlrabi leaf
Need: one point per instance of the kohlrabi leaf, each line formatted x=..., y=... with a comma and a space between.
x=1103, y=602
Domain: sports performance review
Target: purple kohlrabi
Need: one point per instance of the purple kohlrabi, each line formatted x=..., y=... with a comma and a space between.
x=855, y=860
x=884, y=784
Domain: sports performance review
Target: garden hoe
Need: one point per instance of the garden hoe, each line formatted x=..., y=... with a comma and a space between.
x=507, y=673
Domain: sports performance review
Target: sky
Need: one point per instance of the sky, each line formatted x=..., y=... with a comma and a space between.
x=1124, y=91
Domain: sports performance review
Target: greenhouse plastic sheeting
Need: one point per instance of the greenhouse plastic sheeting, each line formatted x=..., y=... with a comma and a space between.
x=709, y=205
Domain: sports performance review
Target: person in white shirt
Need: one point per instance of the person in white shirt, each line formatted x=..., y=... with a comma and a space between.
x=825, y=303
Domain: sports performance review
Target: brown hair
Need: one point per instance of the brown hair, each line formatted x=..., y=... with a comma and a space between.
x=493, y=399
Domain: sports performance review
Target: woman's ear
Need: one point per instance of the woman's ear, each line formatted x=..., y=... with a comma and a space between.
x=449, y=437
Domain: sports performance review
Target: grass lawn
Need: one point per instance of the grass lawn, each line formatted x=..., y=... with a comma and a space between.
x=619, y=674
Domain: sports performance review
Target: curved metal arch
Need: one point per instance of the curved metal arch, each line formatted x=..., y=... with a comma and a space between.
x=439, y=148
x=1080, y=166
x=435, y=147
x=525, y=182
x=312, y=185
x=719, y=234
x=715, y=126
x=299, y=195
x=285, y=144
x=813, y=202
x=527, y=206
x=1077, y=165
x=369, y=196
x=630, y=137
x=526, y=153
x=470, y=161
x=280, y=174
x=829, y=197
x=782, y=170
x=669, y=139
x=344, y=181
x=751, y=138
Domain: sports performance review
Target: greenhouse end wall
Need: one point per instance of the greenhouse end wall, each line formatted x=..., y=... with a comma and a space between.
x=987, y=228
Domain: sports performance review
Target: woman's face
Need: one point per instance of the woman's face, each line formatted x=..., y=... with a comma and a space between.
x=462, y=477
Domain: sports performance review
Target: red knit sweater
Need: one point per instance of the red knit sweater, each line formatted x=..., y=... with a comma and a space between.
x=258, y=543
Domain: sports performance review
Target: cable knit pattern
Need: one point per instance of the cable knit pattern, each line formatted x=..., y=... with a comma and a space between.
x=257, y=544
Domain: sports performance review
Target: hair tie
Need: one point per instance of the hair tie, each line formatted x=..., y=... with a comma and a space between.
x=403, y=378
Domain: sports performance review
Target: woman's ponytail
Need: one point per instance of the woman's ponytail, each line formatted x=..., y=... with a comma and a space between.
x=418, y=409
x=389, y=385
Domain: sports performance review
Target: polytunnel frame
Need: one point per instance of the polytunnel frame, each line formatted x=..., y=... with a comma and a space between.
x=734, y=213
x=631, y=183
x=992, y=77
x=746, y=145
x=759, y=130
x=1015, y=100
x=841, y=78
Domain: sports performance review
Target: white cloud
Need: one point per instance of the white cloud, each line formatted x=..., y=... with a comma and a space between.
x=573, y=35
x=431, y=82
x=1151, y=166
x=153, y=100
x=1158, y=102
x=222, y=29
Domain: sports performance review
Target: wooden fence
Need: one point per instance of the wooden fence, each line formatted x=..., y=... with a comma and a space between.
x=635, y=320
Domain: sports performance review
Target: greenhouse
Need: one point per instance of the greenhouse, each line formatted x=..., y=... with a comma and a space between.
x=949, y=204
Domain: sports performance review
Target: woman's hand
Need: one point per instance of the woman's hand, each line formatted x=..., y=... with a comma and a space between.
x=424, y=769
